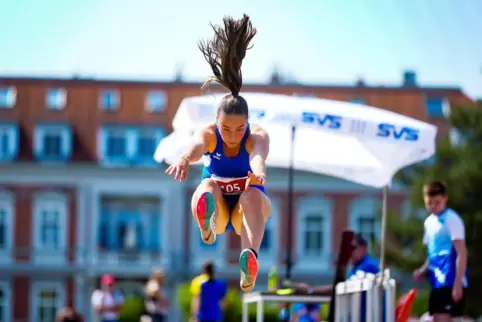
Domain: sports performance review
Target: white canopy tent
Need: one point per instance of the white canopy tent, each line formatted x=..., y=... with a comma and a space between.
x=355, y=142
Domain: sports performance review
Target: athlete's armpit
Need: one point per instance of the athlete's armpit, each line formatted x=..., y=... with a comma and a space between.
x=259, y=152
x=258, y=143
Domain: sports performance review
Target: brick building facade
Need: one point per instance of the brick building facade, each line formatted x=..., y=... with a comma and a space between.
x=77, y=179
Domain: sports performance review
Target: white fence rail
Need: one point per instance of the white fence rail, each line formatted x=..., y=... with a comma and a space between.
x=363, y=298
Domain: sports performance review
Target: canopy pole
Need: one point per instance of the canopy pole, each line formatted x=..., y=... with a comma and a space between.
x=382, y=252
x=384, y=227
x=289, y=242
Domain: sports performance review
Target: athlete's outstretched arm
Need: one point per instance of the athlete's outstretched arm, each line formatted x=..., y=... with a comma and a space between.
x=200, y=146
x=259, y=152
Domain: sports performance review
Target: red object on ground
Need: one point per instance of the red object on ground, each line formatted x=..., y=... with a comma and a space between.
x=404, y=306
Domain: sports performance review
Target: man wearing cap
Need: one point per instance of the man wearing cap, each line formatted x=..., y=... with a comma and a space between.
x=106, y=300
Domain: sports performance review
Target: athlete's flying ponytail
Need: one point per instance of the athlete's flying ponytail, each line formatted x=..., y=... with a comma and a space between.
x=225, y=54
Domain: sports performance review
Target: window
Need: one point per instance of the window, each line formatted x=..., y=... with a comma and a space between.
x=109, y=100
x=53, y=142
x=6, y=210
x=127, y=145
x=8, y=97
x=7, y=206
x=48, y=298
x=117, y=145
x=364, y=214
x=437, y=107
x=315, y=232
x=5, y=306
x=56, y=99
x=8, y=142
x=128, y=225
x=156, y=101
x=267, y=242
x=313, y=235
x=360, y=101
x=50, y=211
x=366, y=227
x=455, y=137
x=147, y=142
x=306, y=95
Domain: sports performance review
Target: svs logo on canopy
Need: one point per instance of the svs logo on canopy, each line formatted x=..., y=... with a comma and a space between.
x=398, y=133
x=324, y=120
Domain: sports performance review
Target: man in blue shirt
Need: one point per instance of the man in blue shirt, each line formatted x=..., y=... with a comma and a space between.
x=361, y=261
x=444, y=236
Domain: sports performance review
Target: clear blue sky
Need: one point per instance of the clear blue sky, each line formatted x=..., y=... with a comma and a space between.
x=324, y=41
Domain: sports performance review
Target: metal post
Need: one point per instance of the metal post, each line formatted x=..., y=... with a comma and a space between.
x=260, y=311
x=382, y=253
x=245, y=317
x=289, y=242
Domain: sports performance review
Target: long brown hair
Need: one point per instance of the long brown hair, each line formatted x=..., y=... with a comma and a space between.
x=225, y=53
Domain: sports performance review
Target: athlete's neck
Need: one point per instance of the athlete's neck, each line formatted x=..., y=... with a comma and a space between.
x=441, y=212
x=231, y=152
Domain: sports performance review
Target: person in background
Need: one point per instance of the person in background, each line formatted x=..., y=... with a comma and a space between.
x=208, y=296
x=446, y=264
x=68, y=314
x=156, y=303
x=361, y=261
x=107, y=301
x=305, y=313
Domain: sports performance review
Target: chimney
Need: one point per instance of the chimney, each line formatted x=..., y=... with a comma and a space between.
x=409, y=78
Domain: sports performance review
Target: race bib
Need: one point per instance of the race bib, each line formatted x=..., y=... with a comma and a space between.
x=231, y=186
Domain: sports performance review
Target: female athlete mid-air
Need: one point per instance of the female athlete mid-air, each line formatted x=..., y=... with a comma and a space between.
x=231, y=193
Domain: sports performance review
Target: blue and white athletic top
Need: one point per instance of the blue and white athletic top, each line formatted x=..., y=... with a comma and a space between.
x=440, y=232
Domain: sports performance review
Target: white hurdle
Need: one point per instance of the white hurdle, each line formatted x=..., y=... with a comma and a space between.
x=348, y=305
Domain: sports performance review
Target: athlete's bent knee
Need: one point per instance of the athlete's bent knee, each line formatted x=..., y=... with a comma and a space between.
x=255, y=201
x=251, y=198
x=211, y=186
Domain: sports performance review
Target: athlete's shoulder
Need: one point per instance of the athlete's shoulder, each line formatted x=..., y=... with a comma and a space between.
x=209, y=130
x=257, y=135
x=208, y=135
x=430, y=220
x=256, y=129
x=453, y=217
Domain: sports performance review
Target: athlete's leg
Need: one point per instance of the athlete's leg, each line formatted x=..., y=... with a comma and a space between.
x=210, y=210
x=248, y=220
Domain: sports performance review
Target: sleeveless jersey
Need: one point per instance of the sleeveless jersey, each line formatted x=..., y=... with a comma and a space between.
x=230, y=173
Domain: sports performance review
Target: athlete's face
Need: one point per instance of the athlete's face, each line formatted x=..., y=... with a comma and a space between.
x=435, y=204
x=232, y=128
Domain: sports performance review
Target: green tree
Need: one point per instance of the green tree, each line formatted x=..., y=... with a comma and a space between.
x=459, y=165
x=132, y=309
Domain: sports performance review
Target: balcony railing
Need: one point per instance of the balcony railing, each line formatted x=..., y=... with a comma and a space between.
x=127, y=257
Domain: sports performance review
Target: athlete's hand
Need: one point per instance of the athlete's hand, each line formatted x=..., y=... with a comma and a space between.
x=301, y=287
x=457, y=292
x=254, y=180
x=179, y=169
x=418, y=274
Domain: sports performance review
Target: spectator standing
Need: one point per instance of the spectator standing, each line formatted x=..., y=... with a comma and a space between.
x=208, y=295
x=446, y=264
x=107, y=301
x=361, y=261
x=68, y=314
x=156, y=302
